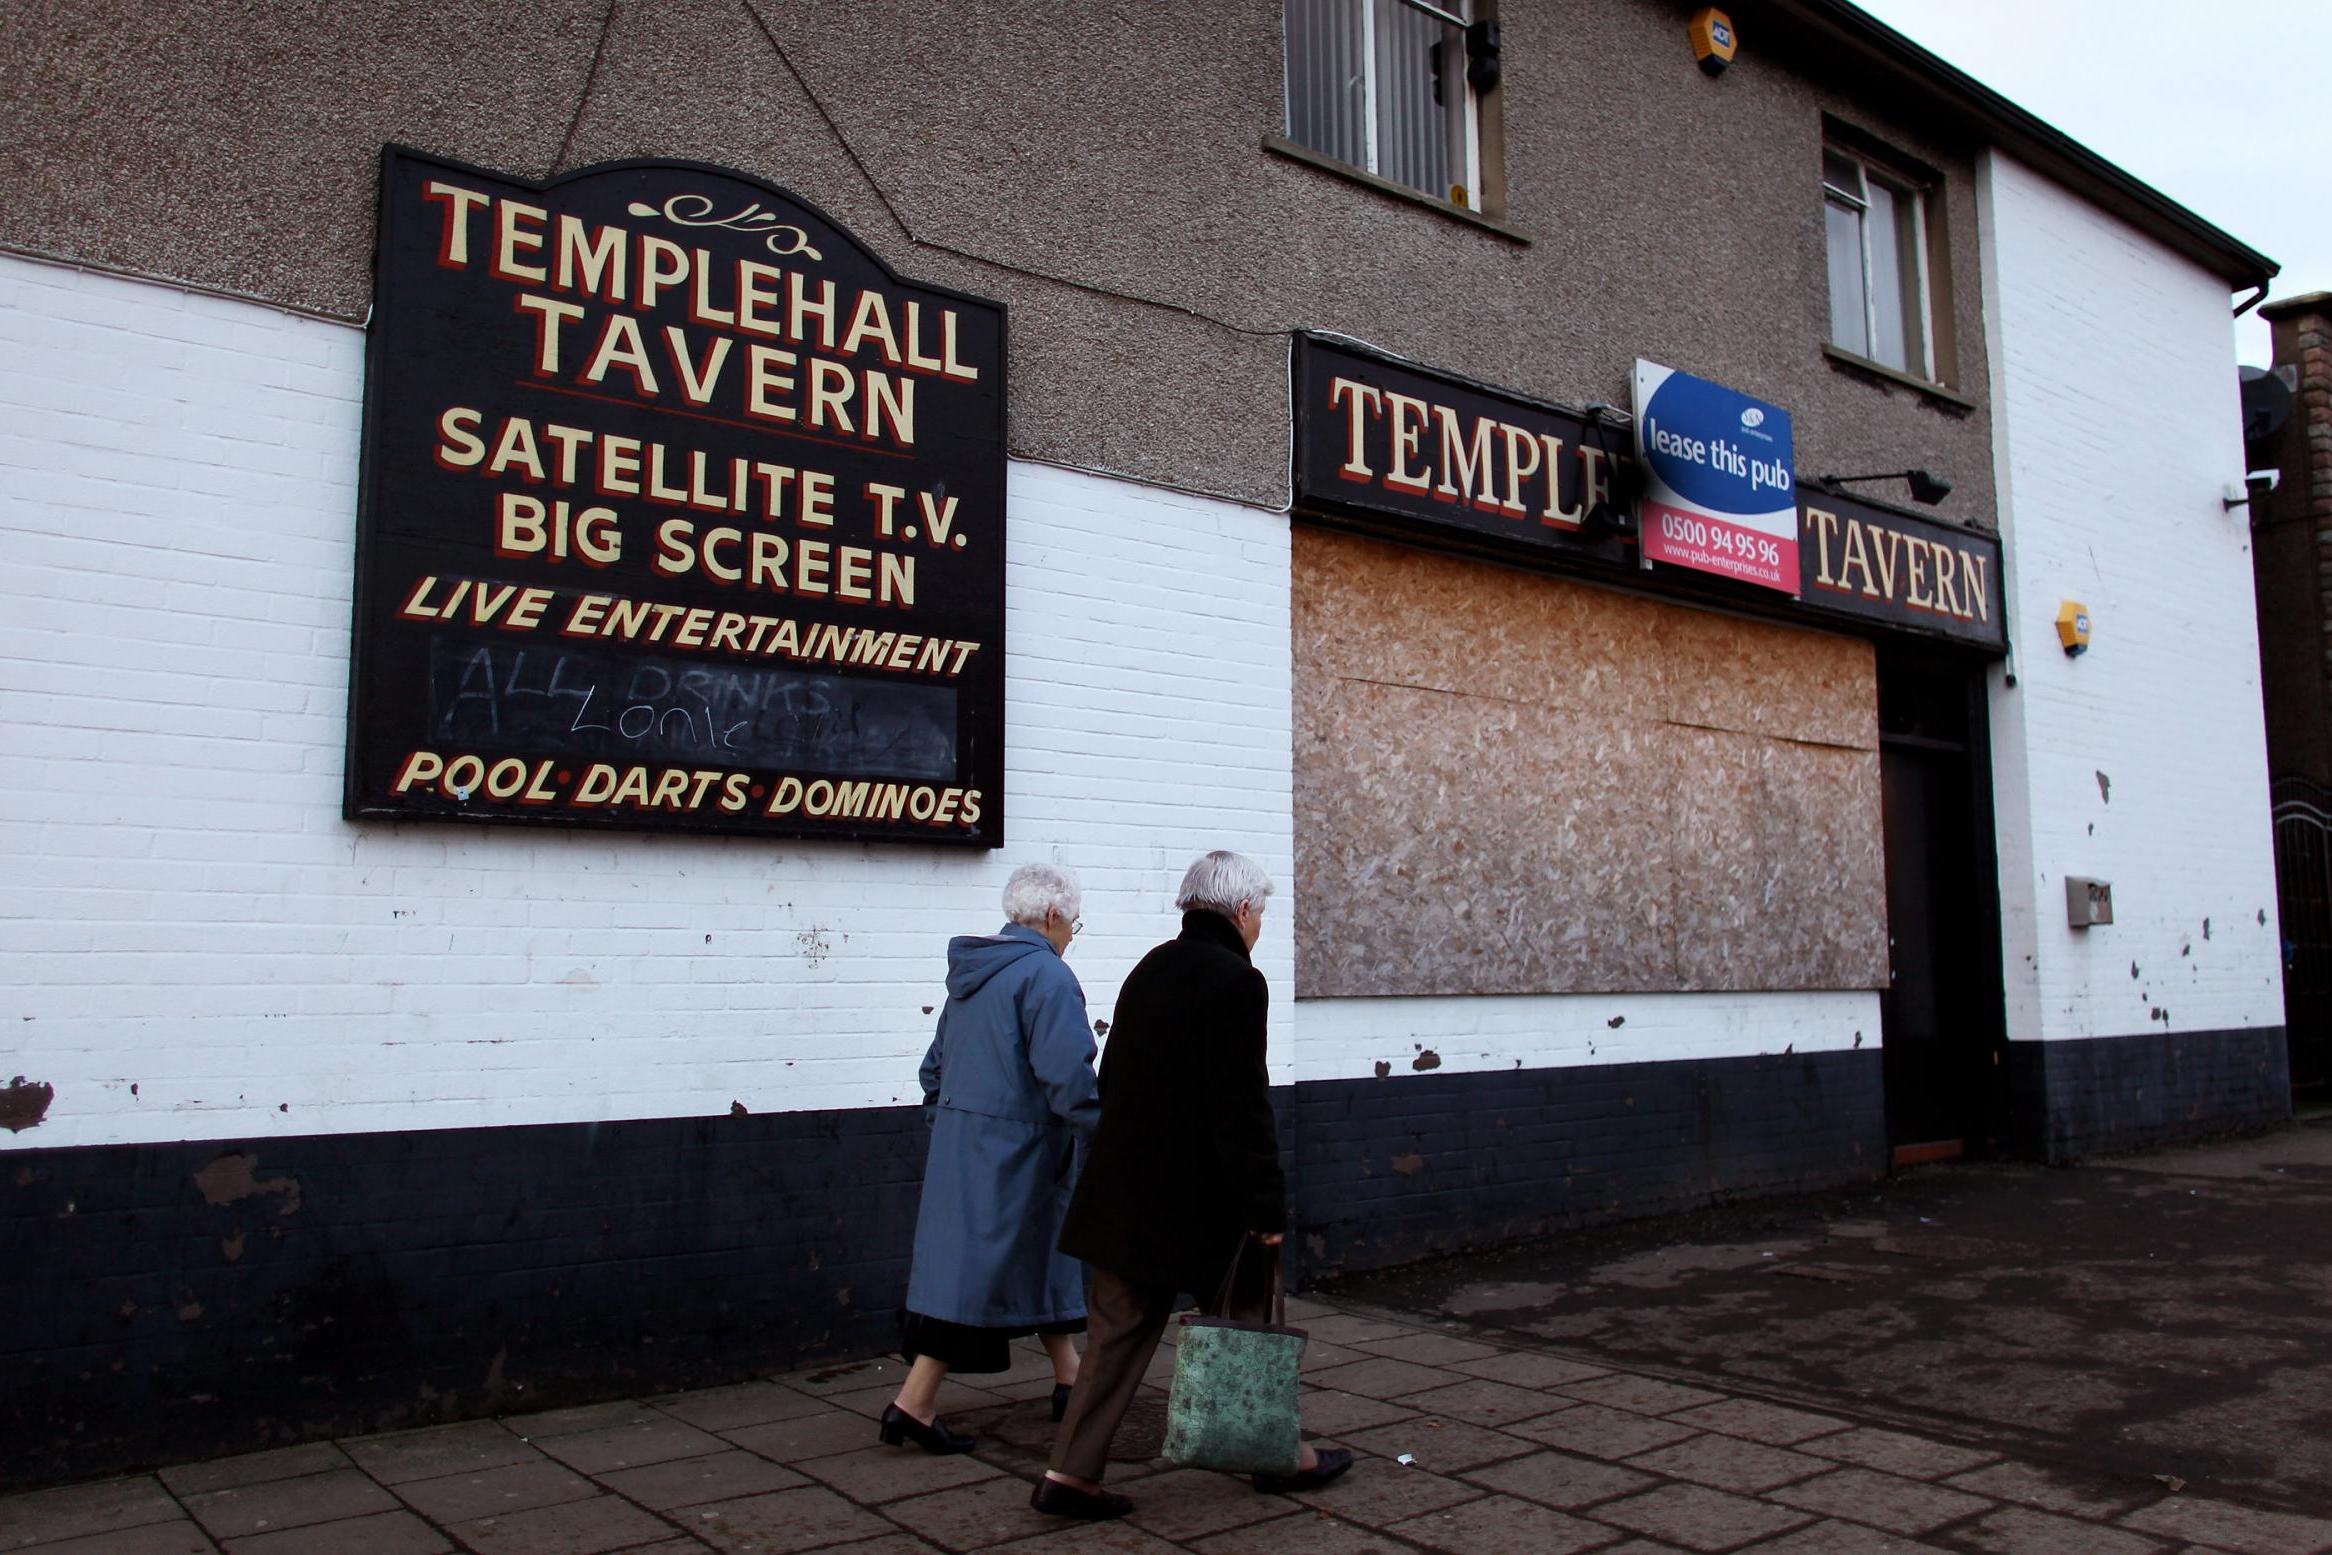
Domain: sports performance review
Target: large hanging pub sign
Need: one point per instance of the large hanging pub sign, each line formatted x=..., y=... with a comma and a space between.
x=678, y=510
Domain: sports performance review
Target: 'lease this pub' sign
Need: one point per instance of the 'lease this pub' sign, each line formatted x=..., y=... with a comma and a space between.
x=1720, y=486
x=679, y=510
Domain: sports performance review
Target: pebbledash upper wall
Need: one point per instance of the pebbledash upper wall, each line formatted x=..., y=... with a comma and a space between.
x=1064, y=162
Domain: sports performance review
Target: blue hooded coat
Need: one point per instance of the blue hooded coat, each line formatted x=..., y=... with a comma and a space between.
x=1009, y=1088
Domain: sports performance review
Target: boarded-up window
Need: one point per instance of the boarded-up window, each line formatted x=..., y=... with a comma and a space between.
x=1510, y=783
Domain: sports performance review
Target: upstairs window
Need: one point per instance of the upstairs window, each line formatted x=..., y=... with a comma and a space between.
x=1391, y=87
x=1881, y=304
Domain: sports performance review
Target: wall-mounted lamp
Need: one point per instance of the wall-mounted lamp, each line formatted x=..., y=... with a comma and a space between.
x=1713, y=40
x=1613, y=516
x=1926, y=489
x=2256, y=483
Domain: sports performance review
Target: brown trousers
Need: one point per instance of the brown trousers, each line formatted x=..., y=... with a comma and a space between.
x=1123, y=1322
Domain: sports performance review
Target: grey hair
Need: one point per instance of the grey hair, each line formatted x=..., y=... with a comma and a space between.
x=1036, y=889
x=1220, y=881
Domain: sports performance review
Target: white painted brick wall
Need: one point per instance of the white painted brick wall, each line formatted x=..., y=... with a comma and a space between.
x=184, y=912
x=1345, y=1039
x=2116, y=429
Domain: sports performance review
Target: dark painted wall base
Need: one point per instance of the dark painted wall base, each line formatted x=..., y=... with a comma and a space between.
x=1390, y=1171
x=2099, y=1095
x=174, y=1302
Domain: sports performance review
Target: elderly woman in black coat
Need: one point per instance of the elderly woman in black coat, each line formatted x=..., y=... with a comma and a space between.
x=1009, y=1087
x=1183, y=1172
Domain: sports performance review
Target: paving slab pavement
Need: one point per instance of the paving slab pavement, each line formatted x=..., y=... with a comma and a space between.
x=1513, y=1446
x=2168, y=1314
x=2128, y=1358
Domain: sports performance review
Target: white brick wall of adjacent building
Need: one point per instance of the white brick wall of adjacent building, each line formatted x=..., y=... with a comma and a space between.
x=195, y=945
x=2143, y=762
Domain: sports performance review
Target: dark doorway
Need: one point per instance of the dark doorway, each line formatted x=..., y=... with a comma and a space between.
x=1945, y=1020
x=2303, y=888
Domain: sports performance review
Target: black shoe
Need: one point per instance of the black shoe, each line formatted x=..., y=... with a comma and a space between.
x=1333, y=1461
x=1093, y=1506
x=900, y=1428
x=1060, y=1405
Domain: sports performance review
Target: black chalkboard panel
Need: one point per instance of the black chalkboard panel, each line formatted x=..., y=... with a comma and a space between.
x=678, y=510
x=550, y=700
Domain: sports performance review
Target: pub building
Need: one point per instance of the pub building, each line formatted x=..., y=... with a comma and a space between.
x=551, y=568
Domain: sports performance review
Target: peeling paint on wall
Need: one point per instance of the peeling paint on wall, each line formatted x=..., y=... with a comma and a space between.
x=23, y=1105
x=233, y=1178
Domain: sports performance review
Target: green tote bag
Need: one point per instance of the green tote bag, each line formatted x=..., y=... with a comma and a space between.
x=1233, y=1405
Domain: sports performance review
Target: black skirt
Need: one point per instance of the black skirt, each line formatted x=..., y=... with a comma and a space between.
x=962, y=1347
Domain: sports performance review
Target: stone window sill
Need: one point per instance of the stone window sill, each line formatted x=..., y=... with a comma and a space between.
x=1847, y=361
x=1280, y=145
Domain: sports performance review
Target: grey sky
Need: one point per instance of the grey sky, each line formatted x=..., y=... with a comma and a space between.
x=2222, y=106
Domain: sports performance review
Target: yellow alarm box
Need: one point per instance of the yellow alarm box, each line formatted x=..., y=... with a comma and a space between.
x=1713, y=42
x=2073, y=627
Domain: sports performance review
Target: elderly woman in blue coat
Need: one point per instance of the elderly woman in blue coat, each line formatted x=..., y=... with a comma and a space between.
x=1009, y=1088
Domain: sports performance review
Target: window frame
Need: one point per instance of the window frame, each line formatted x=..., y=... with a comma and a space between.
x=1469, y=135
x=1921, y=193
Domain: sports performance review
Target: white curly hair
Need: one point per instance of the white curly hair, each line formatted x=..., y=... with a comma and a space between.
x=1037, y=889
x=1220, y=881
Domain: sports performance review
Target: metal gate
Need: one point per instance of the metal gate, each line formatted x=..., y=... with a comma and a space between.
x=2303, y=894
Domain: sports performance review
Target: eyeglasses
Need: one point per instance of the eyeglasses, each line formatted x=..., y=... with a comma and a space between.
x=1076, y=927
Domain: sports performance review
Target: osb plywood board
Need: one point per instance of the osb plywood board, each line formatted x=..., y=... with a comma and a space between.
x=1372, y=611
x=1455, y=873
x=1509, y=783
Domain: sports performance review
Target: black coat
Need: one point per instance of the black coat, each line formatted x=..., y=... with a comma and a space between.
x=1186, y=1159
